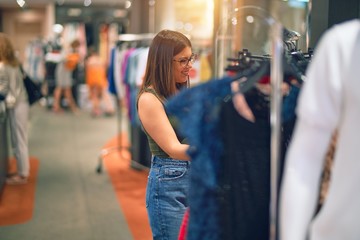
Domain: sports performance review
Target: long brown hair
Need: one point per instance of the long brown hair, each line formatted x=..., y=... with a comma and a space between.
x=159, y=74
x=7, y=53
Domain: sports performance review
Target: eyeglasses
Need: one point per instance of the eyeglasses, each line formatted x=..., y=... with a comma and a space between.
x=185, y=61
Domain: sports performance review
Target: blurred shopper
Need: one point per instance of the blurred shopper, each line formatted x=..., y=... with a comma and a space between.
x=64, y=80
x=167, y=72
x=12, y=87
x=97, y=83
x=329, y=103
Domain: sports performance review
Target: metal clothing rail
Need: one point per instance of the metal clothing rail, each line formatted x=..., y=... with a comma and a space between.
x=128, y=37
x=276, y=74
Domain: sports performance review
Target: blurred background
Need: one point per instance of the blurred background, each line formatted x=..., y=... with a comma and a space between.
x=100, y=22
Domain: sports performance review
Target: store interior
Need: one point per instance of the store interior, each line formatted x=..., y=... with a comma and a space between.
x=218, y=29
x=223, y=34
x=199, y=19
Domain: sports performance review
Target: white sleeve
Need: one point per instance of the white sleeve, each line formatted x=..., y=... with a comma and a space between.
x=318, y=115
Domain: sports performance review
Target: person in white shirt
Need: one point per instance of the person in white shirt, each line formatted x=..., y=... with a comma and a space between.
x=329, y=101
x=17, y=105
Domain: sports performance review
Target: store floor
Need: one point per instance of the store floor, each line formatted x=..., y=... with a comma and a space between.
x=72, y=201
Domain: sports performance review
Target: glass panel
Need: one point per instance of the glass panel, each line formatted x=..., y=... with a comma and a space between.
x=246, y=28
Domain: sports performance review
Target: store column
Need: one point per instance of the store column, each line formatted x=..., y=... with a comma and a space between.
x=139, y=17
x=164, y=15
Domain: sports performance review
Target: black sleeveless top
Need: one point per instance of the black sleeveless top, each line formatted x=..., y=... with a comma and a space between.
x=154, y=147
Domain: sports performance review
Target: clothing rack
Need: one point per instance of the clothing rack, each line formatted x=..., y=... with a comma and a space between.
x=123, y=38
x=295, y=62
x=245, y=61
x=275, y=34
x=129, y=37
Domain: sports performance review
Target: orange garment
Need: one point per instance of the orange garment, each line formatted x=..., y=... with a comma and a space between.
x=95, y=72
x=72, y=60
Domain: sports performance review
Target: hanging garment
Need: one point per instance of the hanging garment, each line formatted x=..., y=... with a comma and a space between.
x=201, y=111
x=34, y=62
x=111, y=75
x=245, y=176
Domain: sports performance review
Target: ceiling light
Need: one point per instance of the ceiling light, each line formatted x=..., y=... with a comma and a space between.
x=21, y=3
x=250, y=19
x=60, y=2
x=188, y=27
x=87, y=3
x=74, y=12
x=58, y=28
x=128, y=4
x=152, y=3
x=120, y=13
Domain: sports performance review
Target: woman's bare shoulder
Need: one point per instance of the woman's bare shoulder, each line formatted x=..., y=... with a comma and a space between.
x=148, y=98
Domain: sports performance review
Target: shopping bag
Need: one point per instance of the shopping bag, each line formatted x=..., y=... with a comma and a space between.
x=33, y=90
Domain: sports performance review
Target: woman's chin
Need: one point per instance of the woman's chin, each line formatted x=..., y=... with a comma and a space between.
x=184, y=79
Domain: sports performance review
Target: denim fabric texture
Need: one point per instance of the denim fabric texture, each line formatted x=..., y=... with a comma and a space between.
x=198, y=110
x=166, y=196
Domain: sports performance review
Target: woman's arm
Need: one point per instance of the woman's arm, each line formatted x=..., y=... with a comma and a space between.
x=156, y=123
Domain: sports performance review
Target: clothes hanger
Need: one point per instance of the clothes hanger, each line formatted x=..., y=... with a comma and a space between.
x=257, y=70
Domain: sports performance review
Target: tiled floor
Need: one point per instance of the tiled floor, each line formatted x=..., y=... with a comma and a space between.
x=73, y=201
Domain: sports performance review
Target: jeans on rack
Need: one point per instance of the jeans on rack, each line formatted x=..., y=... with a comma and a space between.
x=166, y=196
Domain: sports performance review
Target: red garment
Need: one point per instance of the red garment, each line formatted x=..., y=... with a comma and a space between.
x=265, y=80
x=183, y=227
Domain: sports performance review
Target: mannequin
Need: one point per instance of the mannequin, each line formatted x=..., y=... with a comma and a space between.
x=329, y=101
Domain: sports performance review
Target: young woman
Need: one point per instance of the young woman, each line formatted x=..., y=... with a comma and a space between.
x=169, y=62
x=97, y=82
x=64, y=80
x=12, y=86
